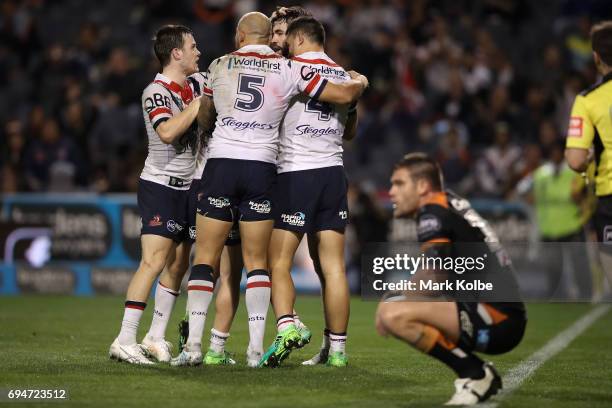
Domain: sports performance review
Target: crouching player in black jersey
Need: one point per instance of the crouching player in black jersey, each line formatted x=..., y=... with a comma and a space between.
x=451, y=331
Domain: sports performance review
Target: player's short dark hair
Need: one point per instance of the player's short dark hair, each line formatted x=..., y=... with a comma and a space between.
x=601, y=40
x=288, y=14
x=310, y=27
x=422, y=166
x=168, y=38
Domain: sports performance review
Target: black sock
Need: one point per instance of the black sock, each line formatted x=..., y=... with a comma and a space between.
x=466, y=365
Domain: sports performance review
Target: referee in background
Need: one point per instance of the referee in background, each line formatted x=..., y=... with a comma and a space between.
x=589, y=137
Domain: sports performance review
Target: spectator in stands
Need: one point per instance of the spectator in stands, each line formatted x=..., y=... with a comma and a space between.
x=9, y=179
x=494, y=169
x=453, y=158
x=14, y=147
x=121, y=80
x=76, y=122
x=52, y=161
x=428, y=61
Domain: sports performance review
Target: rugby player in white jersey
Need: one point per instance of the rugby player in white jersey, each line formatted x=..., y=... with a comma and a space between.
x=310, y=197
x=228, y=294
x=280, y=19
x=178, y=262
x=251, y=89
x=170, y=110
x=168, y=285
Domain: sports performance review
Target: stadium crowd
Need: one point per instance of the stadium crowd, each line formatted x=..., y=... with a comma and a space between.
x=484, y=86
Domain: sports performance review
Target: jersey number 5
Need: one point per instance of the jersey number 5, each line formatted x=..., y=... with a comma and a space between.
x=324, y=110
x=250, y=87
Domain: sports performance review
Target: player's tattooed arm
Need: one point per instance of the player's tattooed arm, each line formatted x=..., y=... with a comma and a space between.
x=207, y=114
x=172, y=129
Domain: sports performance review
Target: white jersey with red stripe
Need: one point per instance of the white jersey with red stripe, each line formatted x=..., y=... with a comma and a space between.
x=311, y=132
x=172, y=164
x=251, y=89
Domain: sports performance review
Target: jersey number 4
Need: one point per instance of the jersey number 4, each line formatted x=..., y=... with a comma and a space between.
x=249, y=86
x=324, y=110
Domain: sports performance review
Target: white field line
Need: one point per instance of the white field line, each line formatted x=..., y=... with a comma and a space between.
x=526, y=368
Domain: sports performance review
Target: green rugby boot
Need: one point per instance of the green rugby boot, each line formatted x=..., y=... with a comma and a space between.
x=285, y=341
x=213, y=358
x=337, y=359
x=305, y=335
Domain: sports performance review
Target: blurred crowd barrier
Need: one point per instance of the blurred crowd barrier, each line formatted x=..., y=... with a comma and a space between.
x=88, y=244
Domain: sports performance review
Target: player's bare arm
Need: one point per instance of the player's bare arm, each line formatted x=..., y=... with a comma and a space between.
x=346, y=92
x=207, y=114
x=177, y=125
x=578, y=159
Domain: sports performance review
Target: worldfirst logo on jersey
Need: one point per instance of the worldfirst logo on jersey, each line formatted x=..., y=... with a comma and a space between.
x=329, y=71
x=253, y=63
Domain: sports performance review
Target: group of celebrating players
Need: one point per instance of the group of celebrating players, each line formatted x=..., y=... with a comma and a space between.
x=246, y=158
x=245, y=192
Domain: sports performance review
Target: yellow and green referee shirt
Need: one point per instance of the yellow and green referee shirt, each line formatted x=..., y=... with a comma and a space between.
x=590, y=125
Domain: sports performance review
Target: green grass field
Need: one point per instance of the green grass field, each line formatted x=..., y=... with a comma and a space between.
x=62, y=342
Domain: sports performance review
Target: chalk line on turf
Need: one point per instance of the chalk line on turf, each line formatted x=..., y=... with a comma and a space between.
x=517, y=375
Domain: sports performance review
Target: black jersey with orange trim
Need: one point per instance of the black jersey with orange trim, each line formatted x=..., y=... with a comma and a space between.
x=447, y=225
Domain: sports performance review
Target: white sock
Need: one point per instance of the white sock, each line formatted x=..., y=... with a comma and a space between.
x=283, y=322
x=325, y=344
x=131, y=318
x=164, y=303
x=257, y=299
x=200, y=291
x=298, y=321
x=337, y=342
x=217, y=340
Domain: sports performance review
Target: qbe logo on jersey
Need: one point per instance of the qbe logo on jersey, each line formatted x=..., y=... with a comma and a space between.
x=297, y=220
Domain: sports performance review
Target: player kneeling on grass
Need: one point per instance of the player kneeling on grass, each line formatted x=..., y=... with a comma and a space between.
x=451, y=331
